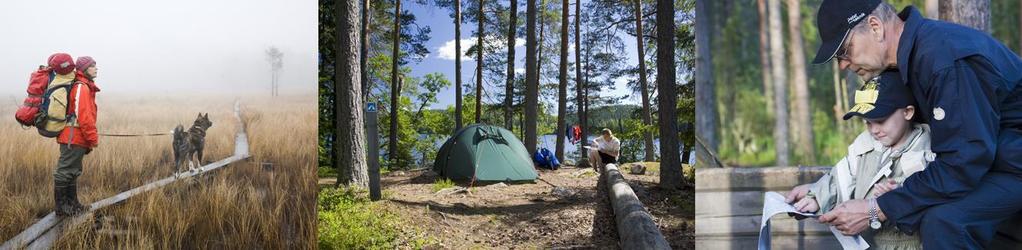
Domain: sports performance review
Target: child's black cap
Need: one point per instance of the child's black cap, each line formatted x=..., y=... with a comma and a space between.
x=881, y=96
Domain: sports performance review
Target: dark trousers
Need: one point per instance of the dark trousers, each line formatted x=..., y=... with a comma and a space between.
x=972, y=221
x=69, y=165
x=607, y=159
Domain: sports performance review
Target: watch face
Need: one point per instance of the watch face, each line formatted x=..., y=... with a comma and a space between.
x=875, y=224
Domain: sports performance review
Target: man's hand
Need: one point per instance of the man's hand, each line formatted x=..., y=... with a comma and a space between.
x=807, y=205
x=884, y=187
x=850, y=217
x=797, y=193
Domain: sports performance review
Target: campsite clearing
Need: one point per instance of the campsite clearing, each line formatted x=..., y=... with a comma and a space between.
x=561, y=209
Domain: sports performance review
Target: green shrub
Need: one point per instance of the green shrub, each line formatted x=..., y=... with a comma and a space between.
x=348, y=220
x=441, y=184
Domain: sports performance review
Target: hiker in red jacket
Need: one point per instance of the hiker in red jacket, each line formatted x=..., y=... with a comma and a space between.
x=77, y=139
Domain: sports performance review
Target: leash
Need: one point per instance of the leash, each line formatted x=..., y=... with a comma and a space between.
x=136, y=135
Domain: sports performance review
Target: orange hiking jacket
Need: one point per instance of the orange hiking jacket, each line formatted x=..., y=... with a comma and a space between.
x=82, y=103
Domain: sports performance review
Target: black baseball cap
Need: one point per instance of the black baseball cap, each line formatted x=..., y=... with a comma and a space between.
x=835, y=20
x=881, y=96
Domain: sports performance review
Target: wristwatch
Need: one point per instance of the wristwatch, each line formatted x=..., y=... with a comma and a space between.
x=874, y=218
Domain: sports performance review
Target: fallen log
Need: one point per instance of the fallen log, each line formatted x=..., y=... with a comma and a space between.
x=635, y=226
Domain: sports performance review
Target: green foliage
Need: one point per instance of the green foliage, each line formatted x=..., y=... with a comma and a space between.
x=441, y=184
x=348, y=220
x=1004, y=17
x=744, y=141
x=630, y=132
x=690, y=172
x=326, y=172
x=831, y=144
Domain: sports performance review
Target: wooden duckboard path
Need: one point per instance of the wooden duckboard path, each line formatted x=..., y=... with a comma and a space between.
x=47, y=230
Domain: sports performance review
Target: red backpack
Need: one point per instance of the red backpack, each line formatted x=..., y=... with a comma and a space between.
x=26, y=114
x=46, y=105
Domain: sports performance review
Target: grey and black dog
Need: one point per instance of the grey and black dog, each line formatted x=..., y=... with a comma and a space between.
x=191, y=142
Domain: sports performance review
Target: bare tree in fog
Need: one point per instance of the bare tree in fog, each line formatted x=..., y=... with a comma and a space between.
x=276, y=59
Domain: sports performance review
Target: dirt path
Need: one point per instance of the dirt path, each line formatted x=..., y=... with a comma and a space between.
x=515, y=216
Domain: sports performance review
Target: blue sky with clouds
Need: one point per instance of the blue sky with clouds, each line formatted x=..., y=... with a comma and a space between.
x=441, y=57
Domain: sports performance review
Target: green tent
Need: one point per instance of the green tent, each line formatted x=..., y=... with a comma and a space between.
x=484, y=153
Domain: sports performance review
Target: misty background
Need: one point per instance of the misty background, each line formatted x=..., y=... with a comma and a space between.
x=164, y=47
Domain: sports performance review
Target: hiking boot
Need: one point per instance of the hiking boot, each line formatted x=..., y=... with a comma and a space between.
x=58, y=201
x=61, y=208
x=76, y=207
x=63, y=200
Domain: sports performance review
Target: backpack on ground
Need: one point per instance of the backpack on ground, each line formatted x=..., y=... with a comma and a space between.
x=546, y=159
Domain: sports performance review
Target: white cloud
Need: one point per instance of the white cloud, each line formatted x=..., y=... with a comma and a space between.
x=446, y=51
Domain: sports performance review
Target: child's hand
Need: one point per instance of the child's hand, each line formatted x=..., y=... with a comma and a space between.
x=884, y=187
x=797, y=193
x=807, y=205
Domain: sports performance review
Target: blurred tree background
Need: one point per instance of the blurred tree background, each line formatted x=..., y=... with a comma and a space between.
x=743, y=92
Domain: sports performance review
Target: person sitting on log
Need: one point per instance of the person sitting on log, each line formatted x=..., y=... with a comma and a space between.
x=606, y=149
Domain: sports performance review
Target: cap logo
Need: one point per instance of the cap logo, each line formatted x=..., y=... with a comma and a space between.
x=855, y=17
x=65, y=64
x=865, y=97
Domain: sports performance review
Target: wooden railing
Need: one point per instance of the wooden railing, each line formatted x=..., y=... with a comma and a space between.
x=729, y=207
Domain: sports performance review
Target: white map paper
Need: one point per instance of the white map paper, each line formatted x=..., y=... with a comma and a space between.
x=773, y=203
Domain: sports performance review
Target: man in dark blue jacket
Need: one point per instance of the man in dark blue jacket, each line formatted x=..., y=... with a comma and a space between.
x=967, y=86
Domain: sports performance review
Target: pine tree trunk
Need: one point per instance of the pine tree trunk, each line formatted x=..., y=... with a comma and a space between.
x=585, y=95
x=509, y=87
x=479, y=64
x=647, y=118
x=670, y=162
x=350, y=143
x=764, y=55
x=539, y=49
x=531, y=78
x=579, y=99
x=457, y=66
x=562, y=85
x=781, y=133
x=363, y=61
x=839, y=109
x=803, y=111
x=394, y=89
x=932, y=9
x=971, y=13
x=706, y=94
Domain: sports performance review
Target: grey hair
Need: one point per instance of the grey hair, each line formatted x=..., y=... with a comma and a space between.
x=885, y=12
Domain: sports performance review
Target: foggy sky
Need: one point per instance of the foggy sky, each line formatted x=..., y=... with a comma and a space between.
x=164, y=47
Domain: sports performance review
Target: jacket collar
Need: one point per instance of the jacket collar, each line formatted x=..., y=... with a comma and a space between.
x=918, y=141
x=863, y=144
x=85, y=80
x=913, y=19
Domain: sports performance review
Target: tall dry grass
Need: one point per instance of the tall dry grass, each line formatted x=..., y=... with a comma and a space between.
x=239, y=206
